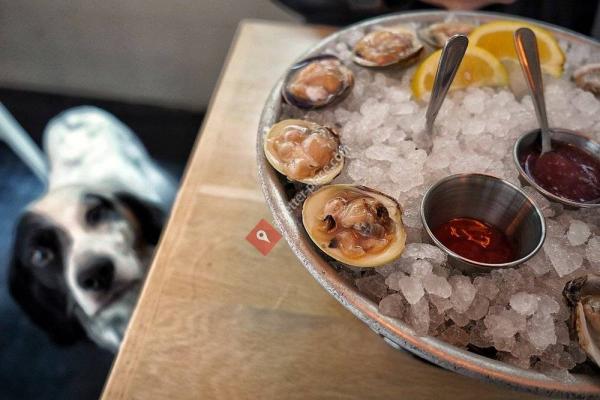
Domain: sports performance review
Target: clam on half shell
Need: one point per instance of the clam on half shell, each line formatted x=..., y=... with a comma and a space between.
x=387, y=46
x=355, y=225
x=437, y=34
x=304, y=151
x=317, y=82
x=587, y=77
x=583, y=295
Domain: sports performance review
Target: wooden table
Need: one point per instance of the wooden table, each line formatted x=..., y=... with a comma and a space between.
x=217, y=319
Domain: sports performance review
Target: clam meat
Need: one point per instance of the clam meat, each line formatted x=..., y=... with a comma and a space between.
x=317, y=82
x=388, y=46
x=587, y=78
x=437, y=34
x=583, y=295
x=355, y=225
x=304, y=151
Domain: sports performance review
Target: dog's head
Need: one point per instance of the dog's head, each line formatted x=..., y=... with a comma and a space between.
x=79, y=259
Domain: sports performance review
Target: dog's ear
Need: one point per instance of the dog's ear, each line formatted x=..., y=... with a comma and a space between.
x=47, y=307
x=150, y=216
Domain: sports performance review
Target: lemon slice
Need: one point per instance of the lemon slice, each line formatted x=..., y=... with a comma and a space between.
x=498, y=38
x=479, y=67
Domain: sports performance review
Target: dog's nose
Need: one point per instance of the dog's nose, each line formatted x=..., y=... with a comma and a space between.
x=97, y=276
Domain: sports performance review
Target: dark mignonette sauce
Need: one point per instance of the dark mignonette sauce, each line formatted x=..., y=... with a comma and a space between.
x=476, y=240
x=566, y=171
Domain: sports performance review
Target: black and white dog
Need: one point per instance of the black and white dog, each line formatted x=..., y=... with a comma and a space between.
x=82, y=251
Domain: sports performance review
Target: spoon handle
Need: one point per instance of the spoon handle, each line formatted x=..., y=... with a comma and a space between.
x=527, y=51
x=452, y=55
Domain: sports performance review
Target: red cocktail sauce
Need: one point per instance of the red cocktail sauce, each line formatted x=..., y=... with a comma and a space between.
x=476, y=240
x=566, y=171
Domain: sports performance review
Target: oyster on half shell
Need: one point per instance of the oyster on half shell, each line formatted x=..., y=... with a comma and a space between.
x=355, y=225
x=387, y=46
x=304, y=151
x=583, y=295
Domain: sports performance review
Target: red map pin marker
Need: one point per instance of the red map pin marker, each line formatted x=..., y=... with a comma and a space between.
x=264, y=237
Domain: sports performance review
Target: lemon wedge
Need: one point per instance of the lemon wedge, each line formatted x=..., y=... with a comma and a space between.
x=479, y=67
x=498, y=38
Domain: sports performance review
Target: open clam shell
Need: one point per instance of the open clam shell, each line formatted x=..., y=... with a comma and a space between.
x=355, y=225
x=304, y=151
x=436, y=35
x=587, y=77
x=317, y=82
x=583, y=294
x=387, y=46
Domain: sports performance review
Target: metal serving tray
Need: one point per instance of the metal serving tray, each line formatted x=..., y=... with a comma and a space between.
x=394, y=331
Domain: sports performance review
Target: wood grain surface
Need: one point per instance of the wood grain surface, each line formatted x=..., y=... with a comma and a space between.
x=216, y=319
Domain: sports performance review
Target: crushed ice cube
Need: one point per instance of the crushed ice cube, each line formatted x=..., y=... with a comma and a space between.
x=563, y=259
x=442, y=304
x=539, y=264
x=578, y=232
x=478, y=309
x=463, y=292
x=500, y=326
x=419, y=316
x=540, y=330
x=473, y=127
x=547, y=305
x=411, y=288
x=424, y=251
x=592, y=250
x=478, y=335
x=382, y=152
x=437, y=285
x=474, y=101
x=420, y=269
x=524, y=303
x=373, y=286
x=393, y=280
x=392, y=305
x=386, y=270
x=486, y=286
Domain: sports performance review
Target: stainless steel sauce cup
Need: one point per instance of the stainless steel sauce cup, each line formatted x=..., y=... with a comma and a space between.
x=530, y=139
x=488, y=199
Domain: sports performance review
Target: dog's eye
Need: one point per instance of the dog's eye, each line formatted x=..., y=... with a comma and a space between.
x=41, y=257
x=98, y=214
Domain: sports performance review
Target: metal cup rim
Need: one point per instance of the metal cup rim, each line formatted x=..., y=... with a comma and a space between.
x=533, y=183
x=477, y=264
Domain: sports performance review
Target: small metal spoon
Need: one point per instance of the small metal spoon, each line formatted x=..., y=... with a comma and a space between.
x=527, y=51
x=452, y=55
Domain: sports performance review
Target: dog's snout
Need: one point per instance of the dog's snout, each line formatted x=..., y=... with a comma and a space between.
x=97, y=276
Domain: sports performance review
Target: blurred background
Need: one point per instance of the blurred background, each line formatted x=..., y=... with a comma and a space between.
x=165, y=53
x=154, y=64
